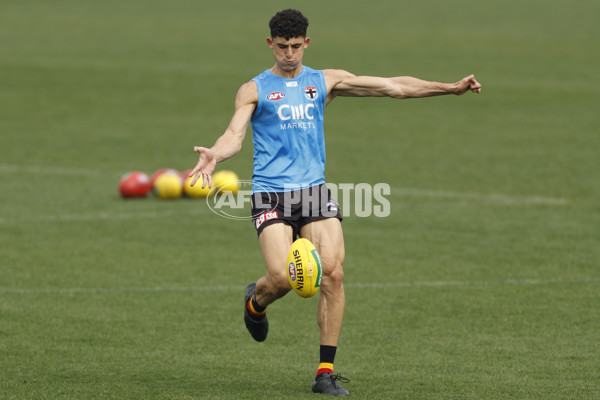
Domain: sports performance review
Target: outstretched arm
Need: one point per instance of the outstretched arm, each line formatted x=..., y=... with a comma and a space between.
x=230, y=143
x=343, y=83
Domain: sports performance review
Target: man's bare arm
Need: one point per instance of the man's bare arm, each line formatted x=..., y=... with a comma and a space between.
x=400, y=87
x=230, y=143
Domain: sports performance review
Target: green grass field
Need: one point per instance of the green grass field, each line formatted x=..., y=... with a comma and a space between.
x=483, y=283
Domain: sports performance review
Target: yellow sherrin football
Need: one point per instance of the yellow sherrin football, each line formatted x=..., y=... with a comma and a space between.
x=304, y=268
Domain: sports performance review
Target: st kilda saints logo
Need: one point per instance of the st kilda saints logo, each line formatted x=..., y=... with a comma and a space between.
x=311, y=92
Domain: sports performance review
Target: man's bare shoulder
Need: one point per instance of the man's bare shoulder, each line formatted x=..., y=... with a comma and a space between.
x=335, y=76
x=247, y=94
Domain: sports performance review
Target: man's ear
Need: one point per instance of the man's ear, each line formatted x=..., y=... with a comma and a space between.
x=270, y=42
x=306, y=42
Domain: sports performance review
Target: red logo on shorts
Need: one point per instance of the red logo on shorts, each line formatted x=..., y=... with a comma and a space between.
x=266, y=216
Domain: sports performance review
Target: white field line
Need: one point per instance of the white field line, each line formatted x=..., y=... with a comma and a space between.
x=103, y=216
x=233, y=288
x=487, y=197
x=396, y=192
x=6, y=168
x=495, y=198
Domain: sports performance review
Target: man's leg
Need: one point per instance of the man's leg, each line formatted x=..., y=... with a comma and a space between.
x=275, y=241
x=328, y=238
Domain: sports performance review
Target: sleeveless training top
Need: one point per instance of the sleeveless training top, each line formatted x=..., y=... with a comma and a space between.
x=287, y=128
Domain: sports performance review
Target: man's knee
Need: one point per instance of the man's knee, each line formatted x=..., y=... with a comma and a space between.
x=333, y=273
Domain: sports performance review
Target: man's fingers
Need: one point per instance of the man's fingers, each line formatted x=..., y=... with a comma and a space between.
x=193, y=182
x=475, y=87
x=203, y=167
x=207, y=179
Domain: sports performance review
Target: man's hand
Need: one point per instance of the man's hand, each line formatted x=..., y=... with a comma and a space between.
x=467, y=83
x=205, y=166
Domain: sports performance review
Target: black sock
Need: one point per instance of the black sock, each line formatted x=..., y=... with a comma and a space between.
x=255, y=309
x=256, y=306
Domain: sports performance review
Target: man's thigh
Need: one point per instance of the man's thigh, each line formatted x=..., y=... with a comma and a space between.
x=275, y=242
x=328, y=238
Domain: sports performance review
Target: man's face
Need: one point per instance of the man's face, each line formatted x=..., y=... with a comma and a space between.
x=288, y=53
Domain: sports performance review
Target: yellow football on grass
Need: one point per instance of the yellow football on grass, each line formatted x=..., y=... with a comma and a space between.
x=168, y=185
x=196, y=190
x=304, y=268
x=226, y=181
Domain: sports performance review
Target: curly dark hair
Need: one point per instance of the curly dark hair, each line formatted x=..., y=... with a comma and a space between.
x=288, y=24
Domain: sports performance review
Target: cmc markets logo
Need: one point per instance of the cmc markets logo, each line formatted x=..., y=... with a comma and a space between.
x=276, y=96
x=222, y=201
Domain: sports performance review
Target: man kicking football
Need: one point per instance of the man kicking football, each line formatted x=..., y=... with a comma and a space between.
x=286, y=105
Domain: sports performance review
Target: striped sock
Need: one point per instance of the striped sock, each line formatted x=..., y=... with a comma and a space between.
x=325, y=367
x=327, y=355
x=255, y=309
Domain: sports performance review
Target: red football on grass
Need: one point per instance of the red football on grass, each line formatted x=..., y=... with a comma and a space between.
x=135, y=184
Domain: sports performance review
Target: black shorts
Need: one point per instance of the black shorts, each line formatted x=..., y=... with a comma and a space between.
x=295, y=208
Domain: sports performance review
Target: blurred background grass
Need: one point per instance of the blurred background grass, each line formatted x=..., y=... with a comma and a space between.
x=482, y=283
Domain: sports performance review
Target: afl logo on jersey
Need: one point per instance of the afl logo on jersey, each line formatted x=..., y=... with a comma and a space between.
x=276, y=96
x=311, y=92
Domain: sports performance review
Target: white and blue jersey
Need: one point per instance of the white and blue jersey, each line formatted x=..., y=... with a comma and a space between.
x=287, y=128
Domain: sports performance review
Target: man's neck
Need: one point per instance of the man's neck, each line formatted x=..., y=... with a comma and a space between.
x=287, y=74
